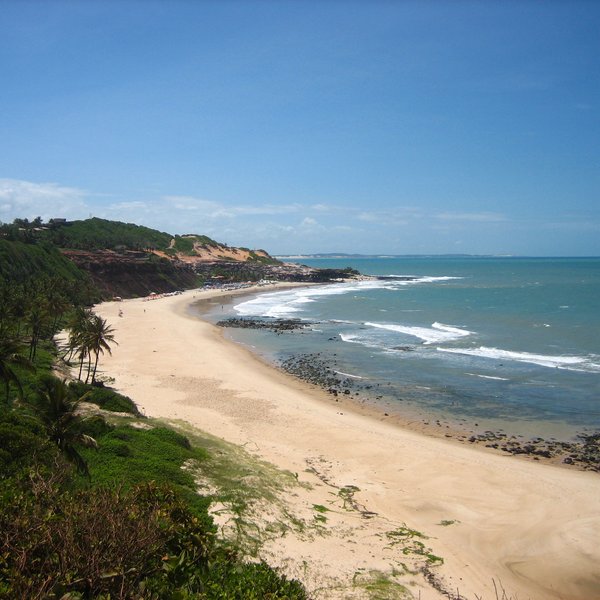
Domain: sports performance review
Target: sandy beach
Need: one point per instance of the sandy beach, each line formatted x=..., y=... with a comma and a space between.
x=496, y=521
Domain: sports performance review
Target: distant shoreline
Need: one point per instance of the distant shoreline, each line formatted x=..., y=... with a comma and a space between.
x=342, y=256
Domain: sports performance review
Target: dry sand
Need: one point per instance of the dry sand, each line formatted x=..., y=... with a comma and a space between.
x=533, y=529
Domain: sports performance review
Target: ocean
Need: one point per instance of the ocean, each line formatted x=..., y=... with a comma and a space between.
x=510, y=344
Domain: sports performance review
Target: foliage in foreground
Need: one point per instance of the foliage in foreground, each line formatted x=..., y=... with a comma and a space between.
x=119, y=518
x=136, y=530
x=144, y=542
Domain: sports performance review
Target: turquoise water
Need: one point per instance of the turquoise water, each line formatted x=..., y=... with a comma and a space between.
x=512, y=340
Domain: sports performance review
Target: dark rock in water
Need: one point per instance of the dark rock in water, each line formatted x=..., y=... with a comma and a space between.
x=276, y=325
x=318, y=371
x=396, y=278
x=321, y=369
x=403, y=348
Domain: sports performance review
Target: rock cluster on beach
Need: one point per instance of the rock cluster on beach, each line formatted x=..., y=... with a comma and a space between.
x=320, y=369
x=583, y=453
x=314, y=369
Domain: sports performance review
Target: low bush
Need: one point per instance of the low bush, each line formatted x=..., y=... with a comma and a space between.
x=104, y=397
x=24, y=444
x=144, y=542
x=133, y=456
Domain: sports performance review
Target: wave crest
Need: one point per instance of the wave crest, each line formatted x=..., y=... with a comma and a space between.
x=571, y=363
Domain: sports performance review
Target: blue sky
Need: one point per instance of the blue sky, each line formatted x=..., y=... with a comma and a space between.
x=304, y=126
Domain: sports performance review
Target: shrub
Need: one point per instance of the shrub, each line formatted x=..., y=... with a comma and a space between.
x=105, y=398
x=96, y=427
x=133, y=456
x=170, y=436
x=94, y=542
x=144, y=542
x=24, y=445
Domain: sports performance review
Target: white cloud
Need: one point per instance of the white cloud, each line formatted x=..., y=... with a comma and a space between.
x=322, y=207
x=396, y=217
x=481, y=217
x=208, y=208
x=136, y=205
x=24, y=199
x=370, y=217
x=267, y=209
x=216, y=210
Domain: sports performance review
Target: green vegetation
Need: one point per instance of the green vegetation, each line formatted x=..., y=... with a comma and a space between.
x=410, y=542
x=40, y=269
x=104, y=397
x=94, y=504
x=100, y=234
x=381, y=586
x=447, y=523
x=135, y=527
x=89, y=336
x=263, y=260
x=184, y=245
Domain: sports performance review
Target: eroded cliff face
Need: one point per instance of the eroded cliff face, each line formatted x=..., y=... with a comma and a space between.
x=138, y=273
x=130, y=274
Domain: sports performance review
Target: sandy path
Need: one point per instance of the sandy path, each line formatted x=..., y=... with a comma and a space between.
x=533, y=527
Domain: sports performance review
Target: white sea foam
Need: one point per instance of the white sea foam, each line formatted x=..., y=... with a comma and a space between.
x=421, y=279
x=487, y=377
x=348, y=375
x=289, y=302
x=572, y=363
x=366, y=341
x=437, y=333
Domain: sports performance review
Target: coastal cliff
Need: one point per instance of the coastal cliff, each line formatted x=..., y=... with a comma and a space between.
x=128, y=260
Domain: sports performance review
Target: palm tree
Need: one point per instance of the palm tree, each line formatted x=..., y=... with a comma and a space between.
x=77, y=326
x=98, y=337
x=89, y=335
x=11, y=357
x=57, y=410
x=57, y=306
x=37, y=319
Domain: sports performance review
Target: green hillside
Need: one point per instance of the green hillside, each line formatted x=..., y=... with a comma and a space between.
x=100, y=234
x=26, y=265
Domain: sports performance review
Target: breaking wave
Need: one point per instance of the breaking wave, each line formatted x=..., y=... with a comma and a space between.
x=571, y=363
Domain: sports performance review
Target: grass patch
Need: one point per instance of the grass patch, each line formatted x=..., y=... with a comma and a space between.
x=247, y=491
x=346, y=493
x=410, y=542
x=380, y=586
x=104, y=397
x=128, y=456
x=447, y=523
x=184, y=245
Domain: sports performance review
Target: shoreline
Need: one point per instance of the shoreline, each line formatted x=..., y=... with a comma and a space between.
x=532, y=527
x=555, y=447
